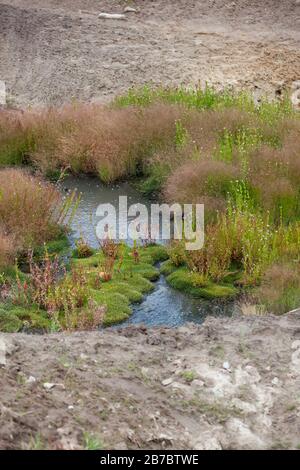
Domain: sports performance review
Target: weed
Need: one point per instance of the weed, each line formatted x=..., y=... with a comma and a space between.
x=92, y=441
x=189, y=375
x=36, y=442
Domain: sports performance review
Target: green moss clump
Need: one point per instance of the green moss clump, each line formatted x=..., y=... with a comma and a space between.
x=117, y=305
x=131, y=279
x=15, y=318
x=58, y=246
x=9, y=323
x=32, y=317
x=192, y=283
x=134, y=296
x=136, y=281
x=11, y=273
x=167, y=268
x=145, y=270
x=154, y=254
x=92, y=262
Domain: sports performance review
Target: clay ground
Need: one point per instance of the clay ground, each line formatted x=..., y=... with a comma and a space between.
x=57, y=50
x=223, y=385
x=231, y=383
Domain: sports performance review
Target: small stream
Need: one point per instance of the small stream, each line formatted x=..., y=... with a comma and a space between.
x=165, y=305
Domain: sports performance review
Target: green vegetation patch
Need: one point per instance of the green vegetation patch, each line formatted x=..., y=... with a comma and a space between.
x=9, y=323
x=129, y=278
x=16, y=318
x=167, y=268
x=192, y=283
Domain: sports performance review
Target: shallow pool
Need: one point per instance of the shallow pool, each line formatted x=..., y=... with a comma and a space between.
x=165, y=305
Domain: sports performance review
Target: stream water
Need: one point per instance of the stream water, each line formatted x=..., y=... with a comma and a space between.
x=165, y=305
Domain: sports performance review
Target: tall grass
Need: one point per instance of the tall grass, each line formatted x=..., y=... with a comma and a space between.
x=280, y=288
x=28, y=214
x=110, y=143
x=190, y=97
x=188, y=145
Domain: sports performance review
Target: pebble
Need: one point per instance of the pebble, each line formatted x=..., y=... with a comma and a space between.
x=31, y=380
x=295, y=85
x=2, y=93
x=112, y=16
x=48, y=385
x=2, y=353
x=167, y=382
x=130, y=10
x=7, y=347
x=275, y=381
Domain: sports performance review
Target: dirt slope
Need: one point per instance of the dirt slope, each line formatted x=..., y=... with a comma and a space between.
x=156, y=388
x=159, y=388
x=56, y=50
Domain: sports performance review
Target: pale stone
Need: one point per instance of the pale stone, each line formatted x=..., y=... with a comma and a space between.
x=112, y=16
x=167, y=382
x=130, y=10
x=2, y=93
x=48, y=385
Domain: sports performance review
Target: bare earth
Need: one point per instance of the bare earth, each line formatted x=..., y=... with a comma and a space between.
x=223, y=385
x=231, y=383
x=56, y=50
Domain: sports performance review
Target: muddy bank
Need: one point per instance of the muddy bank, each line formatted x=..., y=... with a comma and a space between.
x=231, y=383
x=56, y=51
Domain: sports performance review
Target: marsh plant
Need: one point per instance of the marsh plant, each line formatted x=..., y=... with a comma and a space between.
x=185, y=146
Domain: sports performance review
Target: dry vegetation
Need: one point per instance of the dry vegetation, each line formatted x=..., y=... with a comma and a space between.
x=241, y=161
x=26, y=212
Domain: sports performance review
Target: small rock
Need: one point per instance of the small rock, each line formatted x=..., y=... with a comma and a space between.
x=2, y=353
x=167, y=382
x=112, y=16
x=30, y=380
x=7, y=347
x=184, y=330
x=295, y=99
x=226, y=366
x=145, y=371
x=2, y=93
x=48, y=386
x=275, y=381
x=296, y=344
x=70, y=407
x=130, y=10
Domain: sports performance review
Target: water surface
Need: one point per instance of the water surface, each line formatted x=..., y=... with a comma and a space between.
x=165, y=305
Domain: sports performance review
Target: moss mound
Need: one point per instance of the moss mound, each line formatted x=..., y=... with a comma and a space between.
x=9, y=323
x=191, y=283
x=131, y=278
x=16, y=318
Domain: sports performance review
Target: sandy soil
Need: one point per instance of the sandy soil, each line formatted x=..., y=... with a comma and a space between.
x=226, y=384
x=55, y=50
